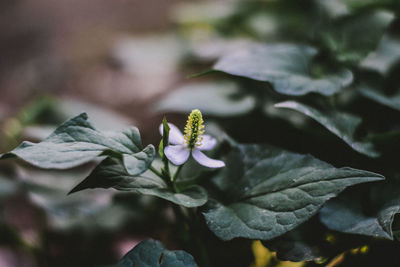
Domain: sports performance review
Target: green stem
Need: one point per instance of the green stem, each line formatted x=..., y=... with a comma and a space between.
x=176, y=173
x=189, y=223
x=151, y=168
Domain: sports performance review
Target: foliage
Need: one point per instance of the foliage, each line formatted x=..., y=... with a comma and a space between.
x=307, y=110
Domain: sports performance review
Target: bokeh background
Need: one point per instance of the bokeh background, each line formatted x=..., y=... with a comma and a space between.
x=112, y=59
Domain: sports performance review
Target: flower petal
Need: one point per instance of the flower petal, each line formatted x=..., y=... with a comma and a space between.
x=207, y=143
x=206, y=161
x=175, y=136
x=177, y=154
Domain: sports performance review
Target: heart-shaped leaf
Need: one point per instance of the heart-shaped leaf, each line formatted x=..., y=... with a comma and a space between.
x=76, y=142
x=266, y=191
x=112, y=173
x=151, y=253
x=341, y=124
x=226, y=100
x=285, y=66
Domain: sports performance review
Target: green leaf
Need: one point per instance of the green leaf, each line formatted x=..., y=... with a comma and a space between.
x=91, y=211
x=266, y=191
x=112, y=173
x=385, y=56
x=151, y=253
x=387, y=197
x=373, y=94
x=285, y=66
x=347, y=39
x=77, y=142
x=341, y=124
x=223, y=99
x=305, y=243
x=346, y=214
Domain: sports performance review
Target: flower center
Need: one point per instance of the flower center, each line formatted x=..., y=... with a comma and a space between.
x=194, y=129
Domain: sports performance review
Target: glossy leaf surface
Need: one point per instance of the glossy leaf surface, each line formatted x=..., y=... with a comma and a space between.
x=267, y=191
x=285, y=66
x=341, y=124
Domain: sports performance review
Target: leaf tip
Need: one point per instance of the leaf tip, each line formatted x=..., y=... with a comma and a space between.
x=79, y=187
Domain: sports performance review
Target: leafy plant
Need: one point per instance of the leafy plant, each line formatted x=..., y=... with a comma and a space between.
x=295, y=106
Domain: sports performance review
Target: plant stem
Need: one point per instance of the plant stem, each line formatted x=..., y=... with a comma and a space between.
x=176, y=173
x=151, y=168
x=190, y=223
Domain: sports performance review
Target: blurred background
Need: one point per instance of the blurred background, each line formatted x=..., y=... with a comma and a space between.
x=112, y=59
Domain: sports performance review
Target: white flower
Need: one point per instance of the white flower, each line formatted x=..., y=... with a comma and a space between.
x=193, y=142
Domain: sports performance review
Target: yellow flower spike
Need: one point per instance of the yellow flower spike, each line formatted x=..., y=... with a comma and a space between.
x=194, y=129
x=192, y=143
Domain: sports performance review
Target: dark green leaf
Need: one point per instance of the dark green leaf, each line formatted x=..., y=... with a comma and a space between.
x=373, y=94
x=388, y=201
x=76, y=142
x=346, y=215
x=112, y=173
x=268, y=191
x=387, y=213
x=305, y=243
x=151, y=253
x=285, y=66
x=351, y=38
x=341, y=124
x=385, y=56
x=226, y=100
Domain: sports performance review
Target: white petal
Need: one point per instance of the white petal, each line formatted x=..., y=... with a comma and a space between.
x=175, y=136
x=207, y=143
x=206, y=161
x=177, y=154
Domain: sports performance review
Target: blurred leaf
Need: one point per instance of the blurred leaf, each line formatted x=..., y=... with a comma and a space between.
x=201, y=13
x=47, y=190
x=385, y=56
x=76, y=142
x=7, y=187
x=304, y=243
x=373, y=94
x=346, y=215
x=351, y=38
x=111, y=173
x=334, y=8
x=388, y=201
x=41, y=110
x=101, y=116
x=222, y=99
x=341, y=124
x=285, y=66
x=151, y=253
x=268, y=191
